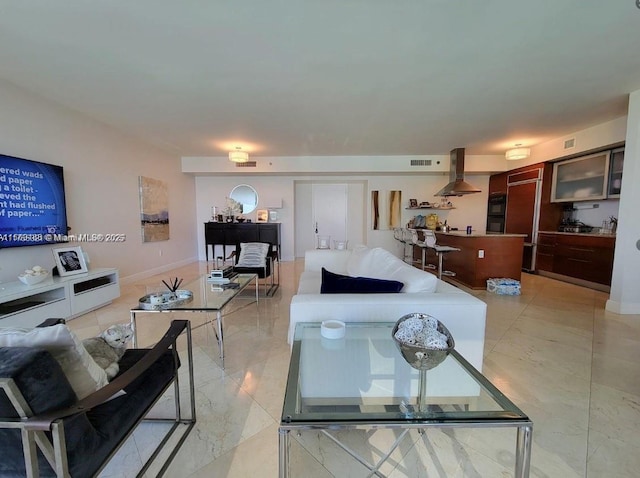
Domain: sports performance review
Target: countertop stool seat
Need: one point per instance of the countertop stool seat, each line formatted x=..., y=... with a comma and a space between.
x=404, y=237
x=423, y=246
x=430, y=241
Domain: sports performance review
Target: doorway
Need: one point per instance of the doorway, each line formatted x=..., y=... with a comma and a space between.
x=335, y=209
x=329, y=212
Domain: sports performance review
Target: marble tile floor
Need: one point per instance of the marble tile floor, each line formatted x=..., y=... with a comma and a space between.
x=570, y=365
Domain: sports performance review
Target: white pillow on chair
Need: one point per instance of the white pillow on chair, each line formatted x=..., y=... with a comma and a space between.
x=253, y=254
x=84, y=375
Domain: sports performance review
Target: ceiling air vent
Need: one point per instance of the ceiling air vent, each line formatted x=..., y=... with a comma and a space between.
x=248, y=164
x=570, y=143
x=420, y=162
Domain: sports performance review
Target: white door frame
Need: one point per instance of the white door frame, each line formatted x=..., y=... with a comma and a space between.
x=304, y=230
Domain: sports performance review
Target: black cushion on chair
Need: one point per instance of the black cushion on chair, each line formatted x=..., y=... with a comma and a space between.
x=43, y=385
x=90, y=436
x=38, y=376
x=110, y=421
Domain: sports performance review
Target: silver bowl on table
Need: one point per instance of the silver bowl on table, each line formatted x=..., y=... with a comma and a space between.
x=423, y=358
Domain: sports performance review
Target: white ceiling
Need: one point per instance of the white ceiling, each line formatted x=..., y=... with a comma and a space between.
x=330, y=77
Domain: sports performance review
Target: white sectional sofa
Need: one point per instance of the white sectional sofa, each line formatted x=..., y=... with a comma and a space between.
x=463, y=314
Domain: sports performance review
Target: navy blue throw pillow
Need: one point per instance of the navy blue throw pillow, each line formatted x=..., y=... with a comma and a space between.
x=333, y=283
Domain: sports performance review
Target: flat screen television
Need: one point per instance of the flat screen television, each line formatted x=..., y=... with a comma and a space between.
x=32, y=203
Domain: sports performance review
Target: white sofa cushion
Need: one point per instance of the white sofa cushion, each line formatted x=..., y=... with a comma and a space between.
x=379, y=263
x=331, y=259
x=310, y=282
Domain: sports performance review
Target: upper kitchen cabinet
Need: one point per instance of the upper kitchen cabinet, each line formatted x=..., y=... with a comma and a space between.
x=498, y=184
x=615, y=173
x=581, y=179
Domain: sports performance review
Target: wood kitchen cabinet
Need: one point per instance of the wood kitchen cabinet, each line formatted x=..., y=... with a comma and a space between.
x=531, y=207
x=498, y=184
x=545, y=251
x=616, y=164
x=576, y=256
x=581, y=179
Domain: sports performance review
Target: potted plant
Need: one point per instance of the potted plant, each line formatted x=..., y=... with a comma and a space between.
x=233, y=209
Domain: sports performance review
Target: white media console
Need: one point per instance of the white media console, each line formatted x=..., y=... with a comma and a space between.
x=58, y=297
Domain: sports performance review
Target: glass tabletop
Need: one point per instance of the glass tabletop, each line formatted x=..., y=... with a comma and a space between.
x=364, y=378
x=206, y=295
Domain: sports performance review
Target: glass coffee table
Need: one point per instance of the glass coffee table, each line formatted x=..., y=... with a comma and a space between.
x=362, y=382
x=207, y=297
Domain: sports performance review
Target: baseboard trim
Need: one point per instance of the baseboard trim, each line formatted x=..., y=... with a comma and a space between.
x=157, y=270
x=573, y=280
x=622, y=308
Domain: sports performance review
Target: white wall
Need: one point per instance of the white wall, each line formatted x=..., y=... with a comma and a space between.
x=470, y=210
x=343, y=166
x=591, y=216
x=624, y=297
x=272, y=191
x=604, y=134
x=101, y=169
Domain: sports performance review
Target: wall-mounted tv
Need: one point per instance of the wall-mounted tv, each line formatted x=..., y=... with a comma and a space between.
x=32, y=204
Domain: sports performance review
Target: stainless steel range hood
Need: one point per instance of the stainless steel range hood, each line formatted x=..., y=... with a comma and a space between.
x=457, y=185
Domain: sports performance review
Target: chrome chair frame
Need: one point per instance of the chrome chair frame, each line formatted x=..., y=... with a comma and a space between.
x=422, y=245
x=430, y=241
x=268, y=271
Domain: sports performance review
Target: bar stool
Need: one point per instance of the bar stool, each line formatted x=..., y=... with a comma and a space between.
x=399, y=236
x=404, y=236
x=430, y=241
x=422, y=245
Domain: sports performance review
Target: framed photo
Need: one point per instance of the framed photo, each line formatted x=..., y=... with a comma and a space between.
x=262, y=215
x=413, y=203
x=70, y=260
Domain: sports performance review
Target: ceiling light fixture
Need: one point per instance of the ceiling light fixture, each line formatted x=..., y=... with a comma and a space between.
x=517, y=153
x=238, y=156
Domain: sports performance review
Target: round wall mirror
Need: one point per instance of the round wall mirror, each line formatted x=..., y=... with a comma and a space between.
x=245, y=195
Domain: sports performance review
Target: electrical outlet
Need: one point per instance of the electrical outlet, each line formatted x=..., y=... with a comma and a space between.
x=481, y=254
x=160, y=252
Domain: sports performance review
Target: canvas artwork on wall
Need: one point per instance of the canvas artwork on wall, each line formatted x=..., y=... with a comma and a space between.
x=154, y=209
x=395, y=209
x=375, y=210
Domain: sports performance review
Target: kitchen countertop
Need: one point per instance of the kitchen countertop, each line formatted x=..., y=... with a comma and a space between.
x=478, y=234
x=595, y=234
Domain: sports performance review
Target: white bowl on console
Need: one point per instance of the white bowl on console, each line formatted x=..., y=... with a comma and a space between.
x=30, y=279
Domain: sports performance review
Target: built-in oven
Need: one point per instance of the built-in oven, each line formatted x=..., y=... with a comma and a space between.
x=495, y=224
x=497, y=205
x=496, y=209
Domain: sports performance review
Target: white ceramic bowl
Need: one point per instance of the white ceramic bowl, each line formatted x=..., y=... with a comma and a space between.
x=332, y=329
x=29, y=279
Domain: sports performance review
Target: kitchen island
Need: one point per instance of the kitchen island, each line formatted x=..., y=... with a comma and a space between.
x=482, y=256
